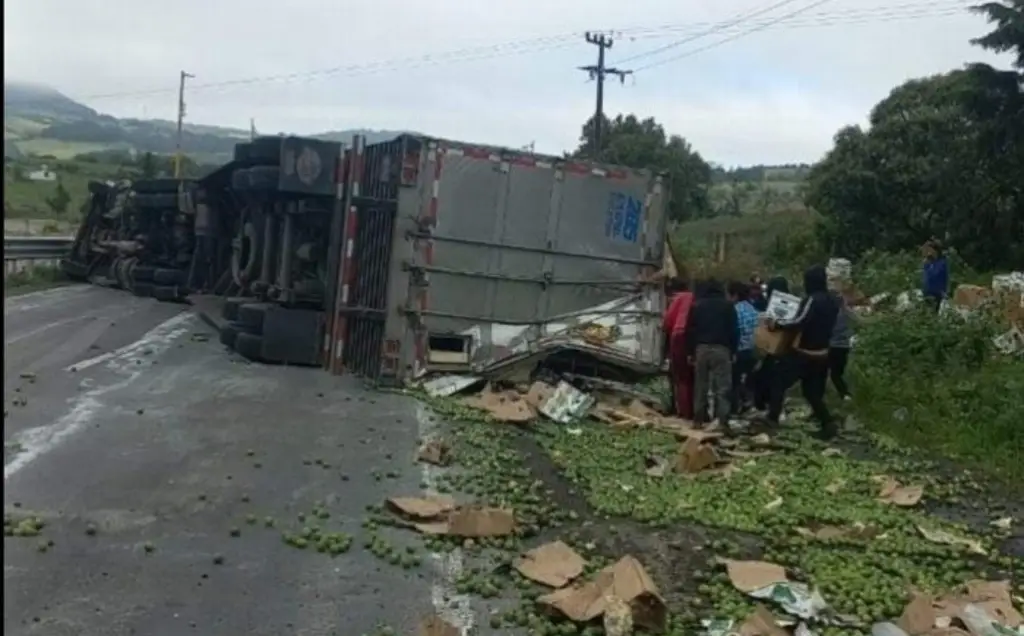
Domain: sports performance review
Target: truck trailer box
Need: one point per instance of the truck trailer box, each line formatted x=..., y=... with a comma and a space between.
x=455, y=257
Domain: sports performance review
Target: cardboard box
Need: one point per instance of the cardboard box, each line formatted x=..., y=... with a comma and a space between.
x=773, y=343
x=971, y=296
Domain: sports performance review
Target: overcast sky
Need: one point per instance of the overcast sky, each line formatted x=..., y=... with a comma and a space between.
x=776, y=95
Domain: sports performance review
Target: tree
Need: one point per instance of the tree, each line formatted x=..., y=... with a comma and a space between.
x=942, y=157
x=60, y=200
x=147, y=166
x=1008, y=34
x=630, y=141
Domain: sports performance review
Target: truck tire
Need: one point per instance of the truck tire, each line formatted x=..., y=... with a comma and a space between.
x=156, y=201
x=231, y=305
x=143, y=290
x=165, y=276
x=251, y=315
x=249, y=346
x=166, y=293
x=143, y=273
x=228, y=333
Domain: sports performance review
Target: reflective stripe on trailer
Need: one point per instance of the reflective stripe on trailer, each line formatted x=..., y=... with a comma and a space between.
x=429, y=219
x=346, y=266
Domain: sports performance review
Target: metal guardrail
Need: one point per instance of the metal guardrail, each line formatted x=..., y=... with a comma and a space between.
x=36, y=248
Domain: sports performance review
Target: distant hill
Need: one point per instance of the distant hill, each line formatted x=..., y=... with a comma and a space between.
x=40, y=120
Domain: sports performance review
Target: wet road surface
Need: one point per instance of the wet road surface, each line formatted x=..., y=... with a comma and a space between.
x=164, y=443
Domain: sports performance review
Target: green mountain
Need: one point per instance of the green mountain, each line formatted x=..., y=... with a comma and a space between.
x=40, y=120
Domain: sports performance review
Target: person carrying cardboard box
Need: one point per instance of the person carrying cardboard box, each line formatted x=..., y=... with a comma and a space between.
x=766, y=370
x=814, y=324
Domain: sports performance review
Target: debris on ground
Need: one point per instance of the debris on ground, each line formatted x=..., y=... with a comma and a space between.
x=502, y=406
x=566, y=404
x=440, y=515
x=553, y=564
x=947, y=538
x=446, y=385
x=892, y=492
x=436, y=452
x=436, y=626
x=981, y=608
x=626, y=580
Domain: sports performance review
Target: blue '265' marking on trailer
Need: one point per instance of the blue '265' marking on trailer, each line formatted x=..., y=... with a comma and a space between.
x=623, y=217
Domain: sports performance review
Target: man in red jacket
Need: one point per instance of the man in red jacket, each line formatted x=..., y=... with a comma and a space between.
x=674, y=328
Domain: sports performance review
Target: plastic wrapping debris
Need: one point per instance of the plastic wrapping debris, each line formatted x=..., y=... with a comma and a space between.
x=567, y=404
x=795, y=599
x=1014, y=281
x=1010, y=343
x=908, y=299
x=887, y=629
x=839, y=269
x=448, y=385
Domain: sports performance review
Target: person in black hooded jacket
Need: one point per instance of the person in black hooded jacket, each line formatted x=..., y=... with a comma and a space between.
x=713, y=334
x=765, y=373
x=814, y=321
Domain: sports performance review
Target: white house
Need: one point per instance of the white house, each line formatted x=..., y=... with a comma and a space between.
x=43, y=174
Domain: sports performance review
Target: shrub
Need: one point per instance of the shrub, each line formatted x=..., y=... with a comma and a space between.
x=937, y=382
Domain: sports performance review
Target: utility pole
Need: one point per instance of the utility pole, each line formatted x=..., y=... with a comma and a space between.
x=599, y=72
x=252, y=129
x=181, y=122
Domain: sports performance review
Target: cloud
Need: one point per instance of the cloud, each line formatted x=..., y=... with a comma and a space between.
x=776, y=95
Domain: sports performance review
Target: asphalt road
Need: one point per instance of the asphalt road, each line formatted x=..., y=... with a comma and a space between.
x=132, y=423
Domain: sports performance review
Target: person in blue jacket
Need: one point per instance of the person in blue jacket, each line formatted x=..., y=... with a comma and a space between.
x=935, y=274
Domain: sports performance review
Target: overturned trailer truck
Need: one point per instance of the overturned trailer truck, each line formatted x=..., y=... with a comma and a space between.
x=451, y=257
x=138, y=235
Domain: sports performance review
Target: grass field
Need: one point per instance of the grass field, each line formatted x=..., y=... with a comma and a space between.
x=33, y=279
x=751, y=242
x=61, y=149
x=757, y=197
x=26, y=199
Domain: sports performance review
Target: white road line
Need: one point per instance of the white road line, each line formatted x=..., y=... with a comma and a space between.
x=166, y=330
x=36, y=442
x=39, y=330
x=448, y=604
x=33, y=300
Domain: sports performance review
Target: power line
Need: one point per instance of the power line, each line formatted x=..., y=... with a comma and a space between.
x=795, y=19
x=710, y=31
x=820, y=18
x=458, y=55
x=731, y=38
